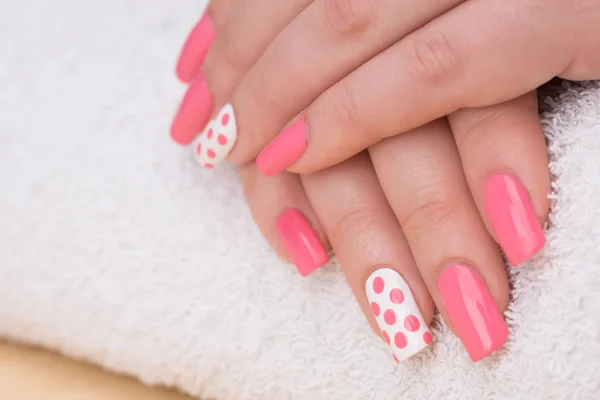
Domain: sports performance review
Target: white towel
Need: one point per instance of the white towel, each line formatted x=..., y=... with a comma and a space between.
x=116, y=248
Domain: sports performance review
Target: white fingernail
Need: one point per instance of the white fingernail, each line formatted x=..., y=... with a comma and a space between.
x=397, y=314
x=218, y=138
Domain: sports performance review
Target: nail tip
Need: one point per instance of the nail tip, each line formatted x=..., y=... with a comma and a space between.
x=177, y=136
x=539, y=245
x=308, y=268
x=182, y=76
x=301, y=241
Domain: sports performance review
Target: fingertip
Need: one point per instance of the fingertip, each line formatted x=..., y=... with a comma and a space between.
x=193, y=112
x=513, y=218
x=284, y=150
x=301, y=241
x=194, y=50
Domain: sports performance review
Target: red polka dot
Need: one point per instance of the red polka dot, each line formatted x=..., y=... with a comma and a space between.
x=396, y=296
x=225, y=119
x=378, y=285
x=222, y=139
x=395, y=358
x=211, y=153
x=199, y=149
x=209, y=133
x=427, y=337
x=389, y=317
x=208, y=165
x=386, y=337
x=375, y=308
x=411, y=323
x=400, y=340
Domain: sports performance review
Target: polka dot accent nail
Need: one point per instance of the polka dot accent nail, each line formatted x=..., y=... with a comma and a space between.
x=397, y=313
x=218, y=138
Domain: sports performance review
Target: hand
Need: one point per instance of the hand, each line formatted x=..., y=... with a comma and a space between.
x=361, y=71
x=413, y=210
x=410, y=215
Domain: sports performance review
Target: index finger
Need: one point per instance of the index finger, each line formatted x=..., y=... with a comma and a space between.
x=479, y=53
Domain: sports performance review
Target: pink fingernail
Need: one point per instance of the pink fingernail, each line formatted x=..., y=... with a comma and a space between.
x=472, y=311
x=301, y=241
x=194, y=111
x=513, y=218
x=194, y=50
x=284, y=150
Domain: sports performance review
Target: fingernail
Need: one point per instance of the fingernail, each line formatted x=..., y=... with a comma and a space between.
x=194, y=49
x=284, y=150
x=193, y=112
x=301, y=241
x=217, y=139
x=397, y=314
x=513, y=218
x=472, y=311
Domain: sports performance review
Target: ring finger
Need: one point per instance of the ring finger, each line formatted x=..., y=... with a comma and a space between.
x=421, y=175
x=373, y=253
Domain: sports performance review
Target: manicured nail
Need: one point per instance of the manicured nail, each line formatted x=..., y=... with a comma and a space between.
x=194, y=111
x=472, y=311
x=217, y=139
x=301, y=241
x=513, y=218
x=194, y=50
x=284, y=150
x=397, y=314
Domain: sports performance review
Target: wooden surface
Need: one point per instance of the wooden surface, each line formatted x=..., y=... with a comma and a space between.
x=32, y=374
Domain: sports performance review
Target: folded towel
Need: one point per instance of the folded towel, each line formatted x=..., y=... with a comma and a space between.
x=117, y=248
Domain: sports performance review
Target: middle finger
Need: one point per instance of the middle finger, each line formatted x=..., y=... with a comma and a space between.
x=421, y=175
x=373, y=253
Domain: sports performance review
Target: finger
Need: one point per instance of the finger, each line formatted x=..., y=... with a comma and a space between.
x=196, y=106
x=504, y=157
x=251, y=27
x=373, y=253
x=422, y=177
x=477, y=54
x=285, y=218
x=323, y=44
x=220, y=11
x=199, y=39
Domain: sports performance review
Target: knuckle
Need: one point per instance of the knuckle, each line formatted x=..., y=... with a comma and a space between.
x=233, y=53
x=474, y=132
x=434, y=59
x=496, y=130
x=261, y=93
x=430, y=209
x=345, y=109
x=348, y=17
x=359, y=219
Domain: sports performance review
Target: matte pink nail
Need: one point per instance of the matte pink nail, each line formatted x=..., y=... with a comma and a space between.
x=194, y=111
x=301, y=241
x=284, y=150
x=472, y=311
x=513, y=218
x=194, y=50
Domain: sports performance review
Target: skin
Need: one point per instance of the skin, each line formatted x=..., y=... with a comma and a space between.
x=359, y=71
x=414, y=198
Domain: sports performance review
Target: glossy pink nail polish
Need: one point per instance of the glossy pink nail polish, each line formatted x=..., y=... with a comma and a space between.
x=194, y=111
x=301, y=241
x=513, y=218
x=284, y=150
x=194, y=50
x=472, y=311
